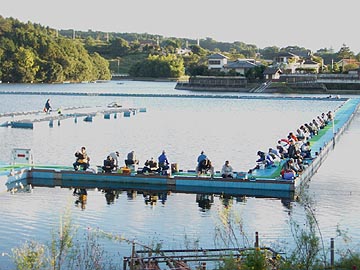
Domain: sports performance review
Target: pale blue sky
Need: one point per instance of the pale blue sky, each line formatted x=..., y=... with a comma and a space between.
x=312, y=24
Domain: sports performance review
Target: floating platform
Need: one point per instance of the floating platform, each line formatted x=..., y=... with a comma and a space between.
x=261, y=182
x=28, y=119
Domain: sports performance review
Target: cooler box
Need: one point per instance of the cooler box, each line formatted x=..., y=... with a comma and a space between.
x=124, y=170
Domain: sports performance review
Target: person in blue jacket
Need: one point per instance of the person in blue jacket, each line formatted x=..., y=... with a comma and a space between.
x=163, y=161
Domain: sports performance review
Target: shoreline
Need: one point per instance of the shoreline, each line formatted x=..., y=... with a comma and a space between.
x=272, y=90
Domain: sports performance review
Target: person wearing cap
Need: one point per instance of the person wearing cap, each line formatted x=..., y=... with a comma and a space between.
x=227, y=170
x=201, y=157
x=115, y=156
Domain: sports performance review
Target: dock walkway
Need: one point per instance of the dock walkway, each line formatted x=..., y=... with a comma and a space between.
x=27, y=119
x=321, y=144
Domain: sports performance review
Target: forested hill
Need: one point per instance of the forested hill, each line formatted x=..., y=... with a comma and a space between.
x=34, y=53
x=248, y=50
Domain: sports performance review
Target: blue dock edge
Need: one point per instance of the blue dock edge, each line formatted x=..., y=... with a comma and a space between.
x=88, y=118
x=29, y=125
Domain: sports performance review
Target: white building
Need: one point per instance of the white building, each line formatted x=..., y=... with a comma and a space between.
x=217, y=61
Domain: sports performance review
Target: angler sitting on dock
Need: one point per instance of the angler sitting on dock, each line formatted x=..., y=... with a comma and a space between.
x=204, y=167
x=289, y=171
x=82, y=159
x=306, y=150
x=131, y=159
x=108, y=164
x=263, y=161
x=115, y=156
x=282, y=151
x=227, y=170
x=150, y=166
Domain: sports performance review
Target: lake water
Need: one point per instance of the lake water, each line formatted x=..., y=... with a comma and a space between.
x=226, y=129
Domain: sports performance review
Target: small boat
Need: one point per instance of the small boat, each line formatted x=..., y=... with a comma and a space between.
x=114, y=105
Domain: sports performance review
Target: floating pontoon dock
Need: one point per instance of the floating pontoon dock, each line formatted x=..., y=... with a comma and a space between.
x=259, y=181
x=27, y=119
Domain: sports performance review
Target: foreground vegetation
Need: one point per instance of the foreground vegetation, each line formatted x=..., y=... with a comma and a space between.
x=68, y=250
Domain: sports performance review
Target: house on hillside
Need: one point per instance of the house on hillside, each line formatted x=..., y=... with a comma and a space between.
x=221, y=62
x=308, y=66
x=287, y=61
x=291, y=63
x=240, y=66
x=272, y=73
x=348, y=61
x=217, y=61
x=286, y=57
x=183, y=51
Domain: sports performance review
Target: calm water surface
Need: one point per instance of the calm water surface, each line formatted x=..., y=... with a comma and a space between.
x=223, y=128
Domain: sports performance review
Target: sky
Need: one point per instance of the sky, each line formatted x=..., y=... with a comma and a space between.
x=313, y=24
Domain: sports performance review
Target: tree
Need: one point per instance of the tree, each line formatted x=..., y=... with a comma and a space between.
x=197, y=50
x=159, y=66
x=119, y=47
x=32, y=53
x=101, y=67
x=345, y=52
x=269, y=52
x=170, y=45
x=358, y=57
x=255, y=73
x=53, y=71
x=25, y=66
x=351, y=66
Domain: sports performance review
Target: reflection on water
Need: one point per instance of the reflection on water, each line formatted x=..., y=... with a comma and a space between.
x=81, y=197
x=205, y=201
x=110, y=195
